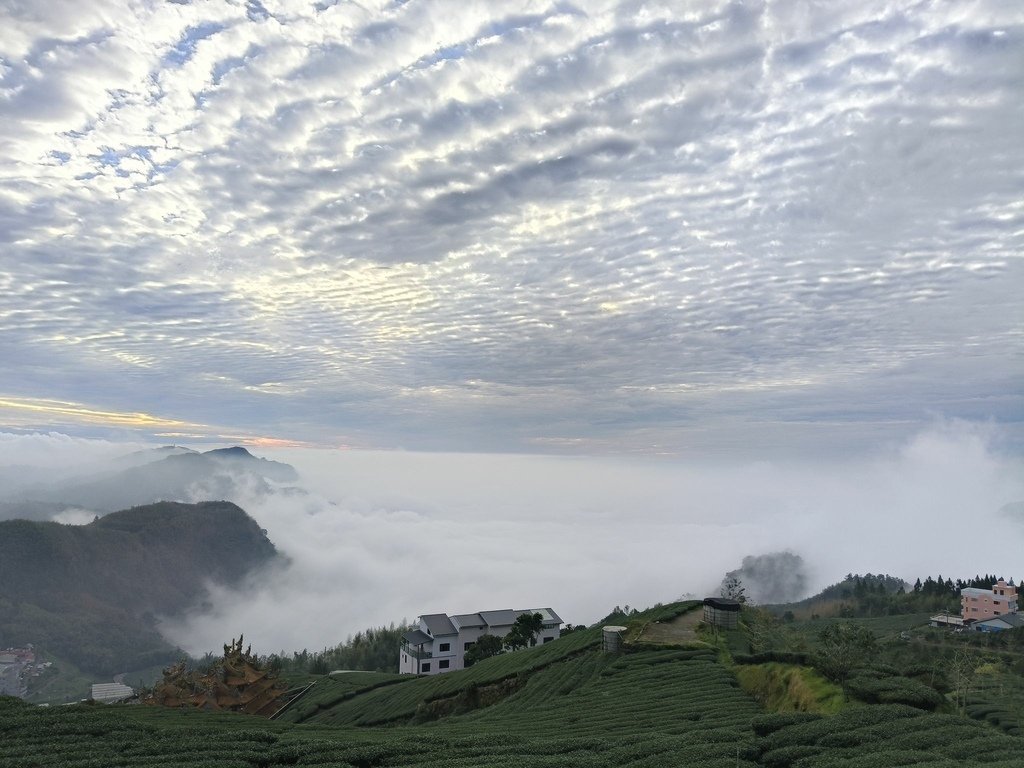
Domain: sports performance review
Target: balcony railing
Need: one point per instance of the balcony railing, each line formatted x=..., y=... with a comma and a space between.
x=416, y=651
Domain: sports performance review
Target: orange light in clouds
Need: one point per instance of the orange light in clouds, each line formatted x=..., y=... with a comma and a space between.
x=267, y=442
x=79, y=413
x=40, y=412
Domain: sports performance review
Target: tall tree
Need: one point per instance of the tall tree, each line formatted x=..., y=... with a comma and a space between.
x=842, y=648
x=484, y=647
x=732, y=589
x=962, y=669
x=524, y=632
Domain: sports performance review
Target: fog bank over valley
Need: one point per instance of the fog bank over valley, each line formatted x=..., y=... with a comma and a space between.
x=374, y=537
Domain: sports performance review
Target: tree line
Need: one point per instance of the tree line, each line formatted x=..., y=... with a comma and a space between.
x=371, y=650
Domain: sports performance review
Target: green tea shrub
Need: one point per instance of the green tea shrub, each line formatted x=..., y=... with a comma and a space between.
x=765, y=724
x=765, y=657
x=786, y=756
x=894, y=690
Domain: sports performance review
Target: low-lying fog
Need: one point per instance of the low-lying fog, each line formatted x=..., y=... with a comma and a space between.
x=383, y=536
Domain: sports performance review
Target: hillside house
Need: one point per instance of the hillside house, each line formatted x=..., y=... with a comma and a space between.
x=981, y=604
x=438, y=642
x=999, y=623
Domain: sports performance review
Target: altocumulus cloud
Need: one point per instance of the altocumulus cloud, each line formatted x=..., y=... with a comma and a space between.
x=611, y=226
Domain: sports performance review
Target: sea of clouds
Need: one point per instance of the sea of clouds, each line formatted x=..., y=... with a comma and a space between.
x=379, y=537
x=382, y=536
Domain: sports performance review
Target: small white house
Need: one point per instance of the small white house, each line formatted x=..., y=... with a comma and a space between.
x=439, y=641
x=110, y=693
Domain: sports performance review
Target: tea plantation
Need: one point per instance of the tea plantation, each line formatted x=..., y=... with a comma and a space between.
x=566, y=703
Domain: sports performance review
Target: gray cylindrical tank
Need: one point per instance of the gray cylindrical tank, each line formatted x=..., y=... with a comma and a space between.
x=611, y=638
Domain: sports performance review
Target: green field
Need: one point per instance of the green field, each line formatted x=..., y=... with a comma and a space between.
x=566, y=703
x=998, y=699
x=884, y=627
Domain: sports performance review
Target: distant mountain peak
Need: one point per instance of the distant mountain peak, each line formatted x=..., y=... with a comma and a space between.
x=235, y=451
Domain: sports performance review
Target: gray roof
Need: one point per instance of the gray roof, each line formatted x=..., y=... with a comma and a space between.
x=110, y=691
x=439, y=624
x=508, y=617
x=415, y=637
x=722, y=603
x=549, y=615
x=499, y=618
x=1011, y=619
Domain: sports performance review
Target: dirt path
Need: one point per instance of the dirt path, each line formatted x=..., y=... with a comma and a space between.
x=679, y=631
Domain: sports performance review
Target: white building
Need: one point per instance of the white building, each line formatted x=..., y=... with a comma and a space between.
x=439, y=641
x=110, y=693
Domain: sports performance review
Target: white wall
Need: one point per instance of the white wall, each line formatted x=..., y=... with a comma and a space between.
x=455, y=653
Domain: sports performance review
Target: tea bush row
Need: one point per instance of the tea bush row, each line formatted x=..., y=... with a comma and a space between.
x=884, y=735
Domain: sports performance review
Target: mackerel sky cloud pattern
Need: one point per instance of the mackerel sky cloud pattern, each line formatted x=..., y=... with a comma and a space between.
x=651, y=227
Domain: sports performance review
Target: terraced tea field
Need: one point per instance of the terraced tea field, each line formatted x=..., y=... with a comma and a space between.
x=566, y=703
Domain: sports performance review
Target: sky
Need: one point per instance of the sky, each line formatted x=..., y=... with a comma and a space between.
x=733, y=229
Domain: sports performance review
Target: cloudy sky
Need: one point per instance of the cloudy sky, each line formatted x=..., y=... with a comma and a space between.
x=710, y=227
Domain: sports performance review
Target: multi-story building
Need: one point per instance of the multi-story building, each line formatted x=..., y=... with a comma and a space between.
x=439, y=641
x=981, y=604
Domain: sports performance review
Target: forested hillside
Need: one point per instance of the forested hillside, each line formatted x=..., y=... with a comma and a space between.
x=860, y=596
x=91, y=593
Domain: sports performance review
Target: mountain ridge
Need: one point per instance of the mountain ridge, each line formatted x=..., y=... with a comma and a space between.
x=92, y=593
x=176, y=474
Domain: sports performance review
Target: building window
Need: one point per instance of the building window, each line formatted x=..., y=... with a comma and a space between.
x=443, y=664
x=548, y=639
x=425, y=667
x=403, y=657
x=468, y=645
x=444, y=647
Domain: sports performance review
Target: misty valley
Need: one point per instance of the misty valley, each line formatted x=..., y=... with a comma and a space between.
x=108, y=563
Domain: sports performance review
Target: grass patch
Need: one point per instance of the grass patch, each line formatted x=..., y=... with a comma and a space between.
x=884, y=627
x=63, y=683
x=790, y=688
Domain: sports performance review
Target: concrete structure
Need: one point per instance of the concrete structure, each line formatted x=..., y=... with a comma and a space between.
x=439, y=642
x=721, y=612
x=946, y=620
x=612, y=638
x=980, y=604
